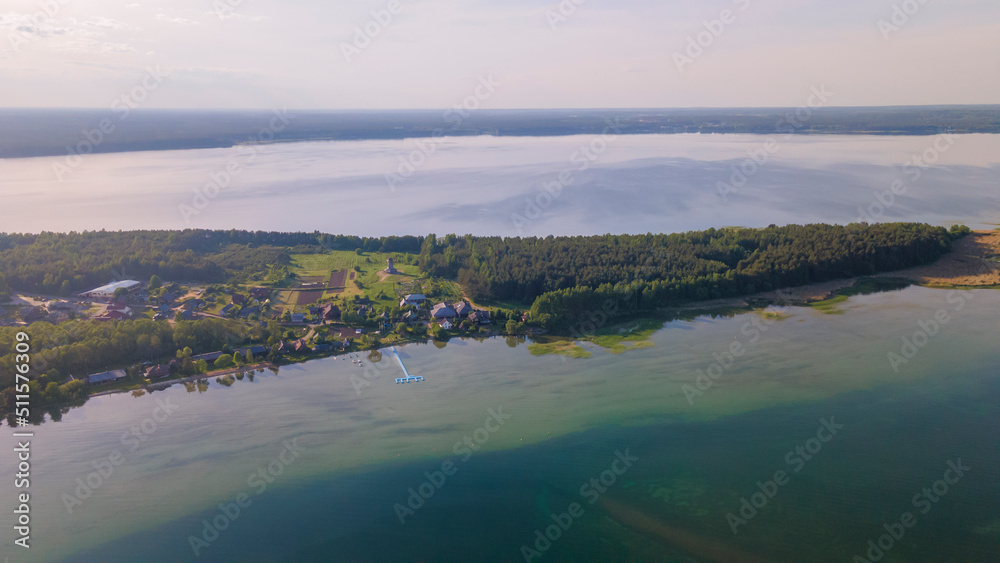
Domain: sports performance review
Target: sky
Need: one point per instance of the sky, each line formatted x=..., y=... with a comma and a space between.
x=402, y=54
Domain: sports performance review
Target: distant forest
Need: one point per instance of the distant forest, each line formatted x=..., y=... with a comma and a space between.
x=47, y=132
x=563, y=278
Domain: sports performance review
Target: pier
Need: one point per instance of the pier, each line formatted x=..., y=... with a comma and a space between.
x=409, y=378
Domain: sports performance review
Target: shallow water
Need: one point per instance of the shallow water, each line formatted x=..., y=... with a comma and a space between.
x=360, y=451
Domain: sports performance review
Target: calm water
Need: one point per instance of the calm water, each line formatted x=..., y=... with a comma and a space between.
x=632, y=184
x=360, y=451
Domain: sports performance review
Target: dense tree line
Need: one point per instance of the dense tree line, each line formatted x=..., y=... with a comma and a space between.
x=84, y=347
x=565, y=276
x=66, y=263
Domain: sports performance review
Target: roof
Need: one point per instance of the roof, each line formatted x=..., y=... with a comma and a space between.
x=210, y=357
x=415, y=297
x=111, y=287
x=442, y=310
x=160, y=370
x=106, y=376
x=256, y=350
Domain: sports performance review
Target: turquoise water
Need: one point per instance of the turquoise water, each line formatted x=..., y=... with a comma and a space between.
x=362, y=447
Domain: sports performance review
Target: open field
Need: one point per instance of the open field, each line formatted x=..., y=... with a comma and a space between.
x=338, y=267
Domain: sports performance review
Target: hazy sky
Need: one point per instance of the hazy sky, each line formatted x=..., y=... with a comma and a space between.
x=433, y=54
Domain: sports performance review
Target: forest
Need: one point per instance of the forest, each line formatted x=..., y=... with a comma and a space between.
x=68, y=263
x=561, y=278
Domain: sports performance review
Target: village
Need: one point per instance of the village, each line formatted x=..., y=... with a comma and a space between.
x=314, y=319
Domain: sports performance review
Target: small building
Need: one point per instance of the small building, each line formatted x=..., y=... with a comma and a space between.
x=299, y=318
x=106, y=377
x=330, y=312
x=301, y=347
x=239, y=299
x=392, y=268
x=462, y=308
x=410, y=317
x=324, y=347
x=479, y=317
x=443, y=310
x=260, y=292
x=415, y=299
x=446, y=324
x=157, y=371
x=108, y=291
x=209, y=357
x=255, y=350
x=284, y=348
x=225, y=310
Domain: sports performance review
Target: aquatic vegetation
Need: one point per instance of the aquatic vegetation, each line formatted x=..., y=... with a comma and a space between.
x=566, y=348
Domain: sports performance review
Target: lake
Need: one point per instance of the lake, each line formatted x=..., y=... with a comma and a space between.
x=495, y=185
x=806, y=445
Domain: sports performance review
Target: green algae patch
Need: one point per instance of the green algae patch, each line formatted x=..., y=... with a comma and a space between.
x=566, y=348
x=773, y=315
x=632, y=336
x=829, y=306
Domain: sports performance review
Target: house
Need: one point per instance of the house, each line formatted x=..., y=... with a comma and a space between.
x=410, y=317
x=163, y=309
x=446, y=324
x=106, y=377
x=113, y=315
x=443, y=311
x=30, y=314
x=188, y=315
x=362, y=312
x=168, y=298
x=462, y=308
x=209, y=358
x=255, y=350
x=299, y=318
x=284, y=348
x=314, y=310
x=415, y=299
x=225, y=310
x=479, y=317
x=330, y=312
x=157, y=371
x=247, y=311
x=108, y=291
x=301, y=347
x=260, y=292
x=193, y=303
x=239, y=299
x=338, y=344
x=324, y=347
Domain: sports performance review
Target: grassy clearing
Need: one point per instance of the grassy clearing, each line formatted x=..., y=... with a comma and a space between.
x=566, y=348
x=369, y=264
